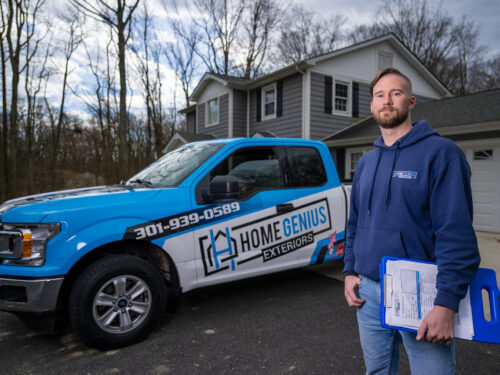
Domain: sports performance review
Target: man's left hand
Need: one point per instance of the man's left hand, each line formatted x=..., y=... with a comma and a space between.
x=438, y=326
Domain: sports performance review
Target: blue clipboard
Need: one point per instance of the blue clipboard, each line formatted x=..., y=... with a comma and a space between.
x=485, y=279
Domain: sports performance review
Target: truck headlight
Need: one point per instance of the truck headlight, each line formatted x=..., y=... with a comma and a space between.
x=24, y=244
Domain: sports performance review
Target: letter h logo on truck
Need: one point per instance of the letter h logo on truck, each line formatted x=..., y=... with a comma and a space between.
x=219, y=251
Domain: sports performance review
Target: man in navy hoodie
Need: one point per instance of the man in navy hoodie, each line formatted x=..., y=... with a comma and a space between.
x=411, y=198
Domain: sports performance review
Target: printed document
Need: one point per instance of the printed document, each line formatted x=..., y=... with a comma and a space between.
x=409, y=293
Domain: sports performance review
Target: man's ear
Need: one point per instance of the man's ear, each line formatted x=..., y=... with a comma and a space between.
x=413, y=101
x=371, y=106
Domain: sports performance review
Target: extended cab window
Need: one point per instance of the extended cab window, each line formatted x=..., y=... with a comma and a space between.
x=307, y=166
x=255, y=169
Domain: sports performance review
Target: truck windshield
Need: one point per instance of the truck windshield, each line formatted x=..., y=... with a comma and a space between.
x=171, y=169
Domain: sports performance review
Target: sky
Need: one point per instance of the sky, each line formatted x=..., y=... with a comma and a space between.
x=484, y=13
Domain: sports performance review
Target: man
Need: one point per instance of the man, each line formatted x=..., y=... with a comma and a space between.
x=411, y=198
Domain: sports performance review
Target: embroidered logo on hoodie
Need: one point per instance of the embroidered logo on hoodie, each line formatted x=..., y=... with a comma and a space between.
x=408, y=175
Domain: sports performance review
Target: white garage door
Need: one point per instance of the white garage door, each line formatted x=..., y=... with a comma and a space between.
x=484, y=161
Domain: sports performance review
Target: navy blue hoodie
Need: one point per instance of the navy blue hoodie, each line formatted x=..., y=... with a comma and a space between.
x=413, y=200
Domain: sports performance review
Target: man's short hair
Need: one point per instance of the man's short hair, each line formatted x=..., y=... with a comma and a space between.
x=386, y=71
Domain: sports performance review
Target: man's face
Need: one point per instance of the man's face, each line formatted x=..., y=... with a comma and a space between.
x=392, y=101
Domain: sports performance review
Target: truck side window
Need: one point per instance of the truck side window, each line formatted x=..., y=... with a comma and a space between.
x=307, y=166
x=255, y=168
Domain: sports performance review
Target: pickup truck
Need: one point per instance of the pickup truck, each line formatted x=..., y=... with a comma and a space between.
x=110, y=258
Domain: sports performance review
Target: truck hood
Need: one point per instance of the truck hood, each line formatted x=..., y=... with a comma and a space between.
x=41, y=207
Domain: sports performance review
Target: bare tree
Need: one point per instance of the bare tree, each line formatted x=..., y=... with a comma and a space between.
x=451, y=50
x=21, y=17
x=68, y=46
x=304, y=34
x=120, y=18
x=219, y=22
x=5, y=121
x=36, y=73
x=259, y=22
x=182, y=55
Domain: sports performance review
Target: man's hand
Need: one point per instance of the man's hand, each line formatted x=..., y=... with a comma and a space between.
x=438, y=326
x=350, y=286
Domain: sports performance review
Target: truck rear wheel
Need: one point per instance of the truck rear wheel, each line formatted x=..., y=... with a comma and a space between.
x=117, y=301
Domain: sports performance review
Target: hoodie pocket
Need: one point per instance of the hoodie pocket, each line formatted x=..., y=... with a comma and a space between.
x=371, y=244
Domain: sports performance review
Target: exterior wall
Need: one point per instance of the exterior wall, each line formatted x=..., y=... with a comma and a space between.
x=213, y=90
x=220, y=130
x=362, y=66
x=191, y=122
x=290, y=123
x=325, y=124
x=239, y=113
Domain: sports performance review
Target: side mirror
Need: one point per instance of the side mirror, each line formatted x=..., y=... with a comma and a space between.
x=224, y=189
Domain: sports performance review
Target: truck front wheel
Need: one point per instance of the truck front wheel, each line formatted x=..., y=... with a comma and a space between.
x=117, y=301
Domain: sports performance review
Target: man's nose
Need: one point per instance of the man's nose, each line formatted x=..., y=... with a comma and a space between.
x=387, y=99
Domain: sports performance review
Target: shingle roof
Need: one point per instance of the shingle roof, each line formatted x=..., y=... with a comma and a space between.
x=481, y=107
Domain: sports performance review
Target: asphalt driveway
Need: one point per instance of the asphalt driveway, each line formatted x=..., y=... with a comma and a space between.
x=295, y=322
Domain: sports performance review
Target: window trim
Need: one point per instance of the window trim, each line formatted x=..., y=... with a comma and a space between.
x=348, y=159
x=265, y=117
x=348, y=110
x=207, y=106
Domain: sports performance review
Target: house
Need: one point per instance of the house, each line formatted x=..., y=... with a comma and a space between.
x=329, y=94
x=472, y=121
x=311, y=99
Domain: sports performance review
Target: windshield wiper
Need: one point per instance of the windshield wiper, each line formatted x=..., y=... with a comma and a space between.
x=140, y=182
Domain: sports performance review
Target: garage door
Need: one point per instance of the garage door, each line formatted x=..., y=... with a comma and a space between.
x=484, y=161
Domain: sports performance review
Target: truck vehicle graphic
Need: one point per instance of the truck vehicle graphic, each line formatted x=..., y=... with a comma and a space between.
x=111, y=257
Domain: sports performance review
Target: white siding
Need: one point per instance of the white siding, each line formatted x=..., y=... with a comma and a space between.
x=213, y=90
x=362, y=65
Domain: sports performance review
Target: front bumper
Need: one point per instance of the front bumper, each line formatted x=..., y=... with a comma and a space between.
x=29, y=295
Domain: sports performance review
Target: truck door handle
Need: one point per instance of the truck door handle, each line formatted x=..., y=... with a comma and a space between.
x=284, y=208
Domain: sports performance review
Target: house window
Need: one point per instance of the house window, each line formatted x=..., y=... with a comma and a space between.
x=212, y=112
x=269, y=102
x=341, y=100
x=352, y=159
x=384, y=60
x=483, y=154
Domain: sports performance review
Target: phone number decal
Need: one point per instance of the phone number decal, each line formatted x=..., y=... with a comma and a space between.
x=177, y=223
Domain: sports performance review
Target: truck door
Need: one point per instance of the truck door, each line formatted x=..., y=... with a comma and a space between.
x=241, y=243
x=319, y=206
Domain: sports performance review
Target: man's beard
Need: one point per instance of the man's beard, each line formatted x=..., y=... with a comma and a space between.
x=391, y=122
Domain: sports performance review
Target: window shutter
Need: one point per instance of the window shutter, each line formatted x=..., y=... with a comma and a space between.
x=328, y=94
x=259, y=104
x=355, y=99
x=279, y=98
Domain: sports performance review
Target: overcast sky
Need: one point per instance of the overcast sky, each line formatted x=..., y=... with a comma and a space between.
x=484, y=13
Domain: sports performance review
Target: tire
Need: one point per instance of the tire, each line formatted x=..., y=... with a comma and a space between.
x=117, y=301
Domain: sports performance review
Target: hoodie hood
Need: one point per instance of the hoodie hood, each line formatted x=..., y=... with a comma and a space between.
x=420, y=131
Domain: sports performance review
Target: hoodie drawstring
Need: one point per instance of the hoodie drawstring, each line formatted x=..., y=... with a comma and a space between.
x=380, y=150
x=388, y=198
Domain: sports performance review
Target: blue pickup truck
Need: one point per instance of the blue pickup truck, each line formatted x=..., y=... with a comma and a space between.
x=111, y=257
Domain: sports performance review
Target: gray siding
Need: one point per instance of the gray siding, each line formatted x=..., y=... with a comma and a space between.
x=200, y=109
x=239, y=113
x=221, y=129
x=191, y=122
x=325, y=124
x=290, y=123
x=364, y=101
